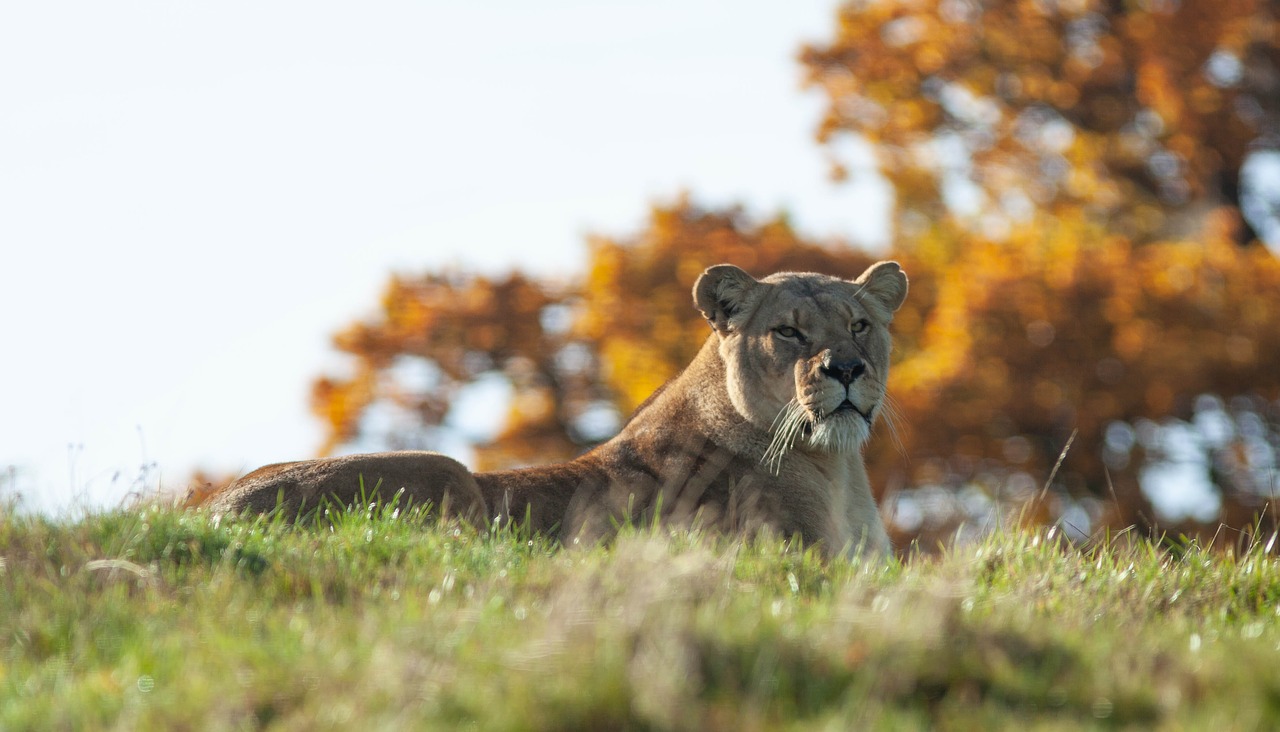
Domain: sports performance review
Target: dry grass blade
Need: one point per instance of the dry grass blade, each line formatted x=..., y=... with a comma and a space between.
x=1061, y=457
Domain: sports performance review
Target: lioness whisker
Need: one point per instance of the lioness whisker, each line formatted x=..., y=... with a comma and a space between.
x=782, y=440
x=786, y=427
x=782, y=416
x=892, y=416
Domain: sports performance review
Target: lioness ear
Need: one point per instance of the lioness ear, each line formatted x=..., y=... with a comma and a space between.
x=721, y=292
x=884, y=286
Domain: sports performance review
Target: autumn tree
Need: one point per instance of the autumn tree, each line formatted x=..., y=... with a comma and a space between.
x=438, y=333
x=1040, y=337
x=1072, y=204
x=1138, y=116
x=1073, y=172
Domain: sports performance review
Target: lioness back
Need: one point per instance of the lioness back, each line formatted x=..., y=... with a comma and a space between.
x=410, y=476
x=763, y=430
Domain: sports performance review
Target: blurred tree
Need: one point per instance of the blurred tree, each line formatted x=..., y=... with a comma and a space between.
x=1073, y=175
x=1064, y=331
x=1003, y=351
x=434, y=335
x=1068, y=180
x=1137, y=115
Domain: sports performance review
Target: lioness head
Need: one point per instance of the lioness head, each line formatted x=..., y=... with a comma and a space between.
x=806, y=355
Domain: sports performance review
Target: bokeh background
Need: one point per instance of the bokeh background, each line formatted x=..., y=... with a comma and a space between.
x=475, y=230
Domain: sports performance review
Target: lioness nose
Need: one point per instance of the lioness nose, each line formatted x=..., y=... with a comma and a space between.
x=846, y=372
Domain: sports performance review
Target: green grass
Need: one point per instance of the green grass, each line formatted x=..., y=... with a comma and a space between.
x=162, y=619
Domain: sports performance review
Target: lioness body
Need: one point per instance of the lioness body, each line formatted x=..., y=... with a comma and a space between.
x=763, y=430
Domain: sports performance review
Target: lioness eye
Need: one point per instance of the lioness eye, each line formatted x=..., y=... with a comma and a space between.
x=860, y=326
x=787, y=331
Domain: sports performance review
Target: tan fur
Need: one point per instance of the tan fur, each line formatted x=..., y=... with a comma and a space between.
x=759, y=432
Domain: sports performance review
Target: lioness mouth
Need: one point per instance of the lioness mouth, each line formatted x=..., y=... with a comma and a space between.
x=848, y=406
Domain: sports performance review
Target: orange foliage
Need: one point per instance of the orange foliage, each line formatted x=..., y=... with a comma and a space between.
x=1069, y=172
x=437, y=333
x=1053, y=333
x=1120, y=112
x=1003, y=349
x=1067, y=208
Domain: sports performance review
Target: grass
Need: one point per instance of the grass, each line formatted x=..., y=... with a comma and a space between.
x=163, y=619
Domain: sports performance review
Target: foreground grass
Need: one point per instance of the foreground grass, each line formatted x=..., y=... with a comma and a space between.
x=162, y=619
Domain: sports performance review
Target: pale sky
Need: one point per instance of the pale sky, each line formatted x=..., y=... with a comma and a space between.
x=194, y=197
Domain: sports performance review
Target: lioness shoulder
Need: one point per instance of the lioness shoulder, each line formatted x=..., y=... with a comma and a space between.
x=763, y=430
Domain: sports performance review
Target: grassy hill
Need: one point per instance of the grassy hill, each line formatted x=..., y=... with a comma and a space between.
x=162, y=619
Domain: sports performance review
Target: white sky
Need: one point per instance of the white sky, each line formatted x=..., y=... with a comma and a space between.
x=193, y=197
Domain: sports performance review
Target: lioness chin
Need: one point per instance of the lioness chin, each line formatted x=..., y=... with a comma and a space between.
x=763, y=431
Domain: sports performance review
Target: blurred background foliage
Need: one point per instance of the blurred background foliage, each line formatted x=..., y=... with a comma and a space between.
x=1085, y=193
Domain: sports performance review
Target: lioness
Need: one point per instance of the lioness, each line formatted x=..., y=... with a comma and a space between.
x=763, y=430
